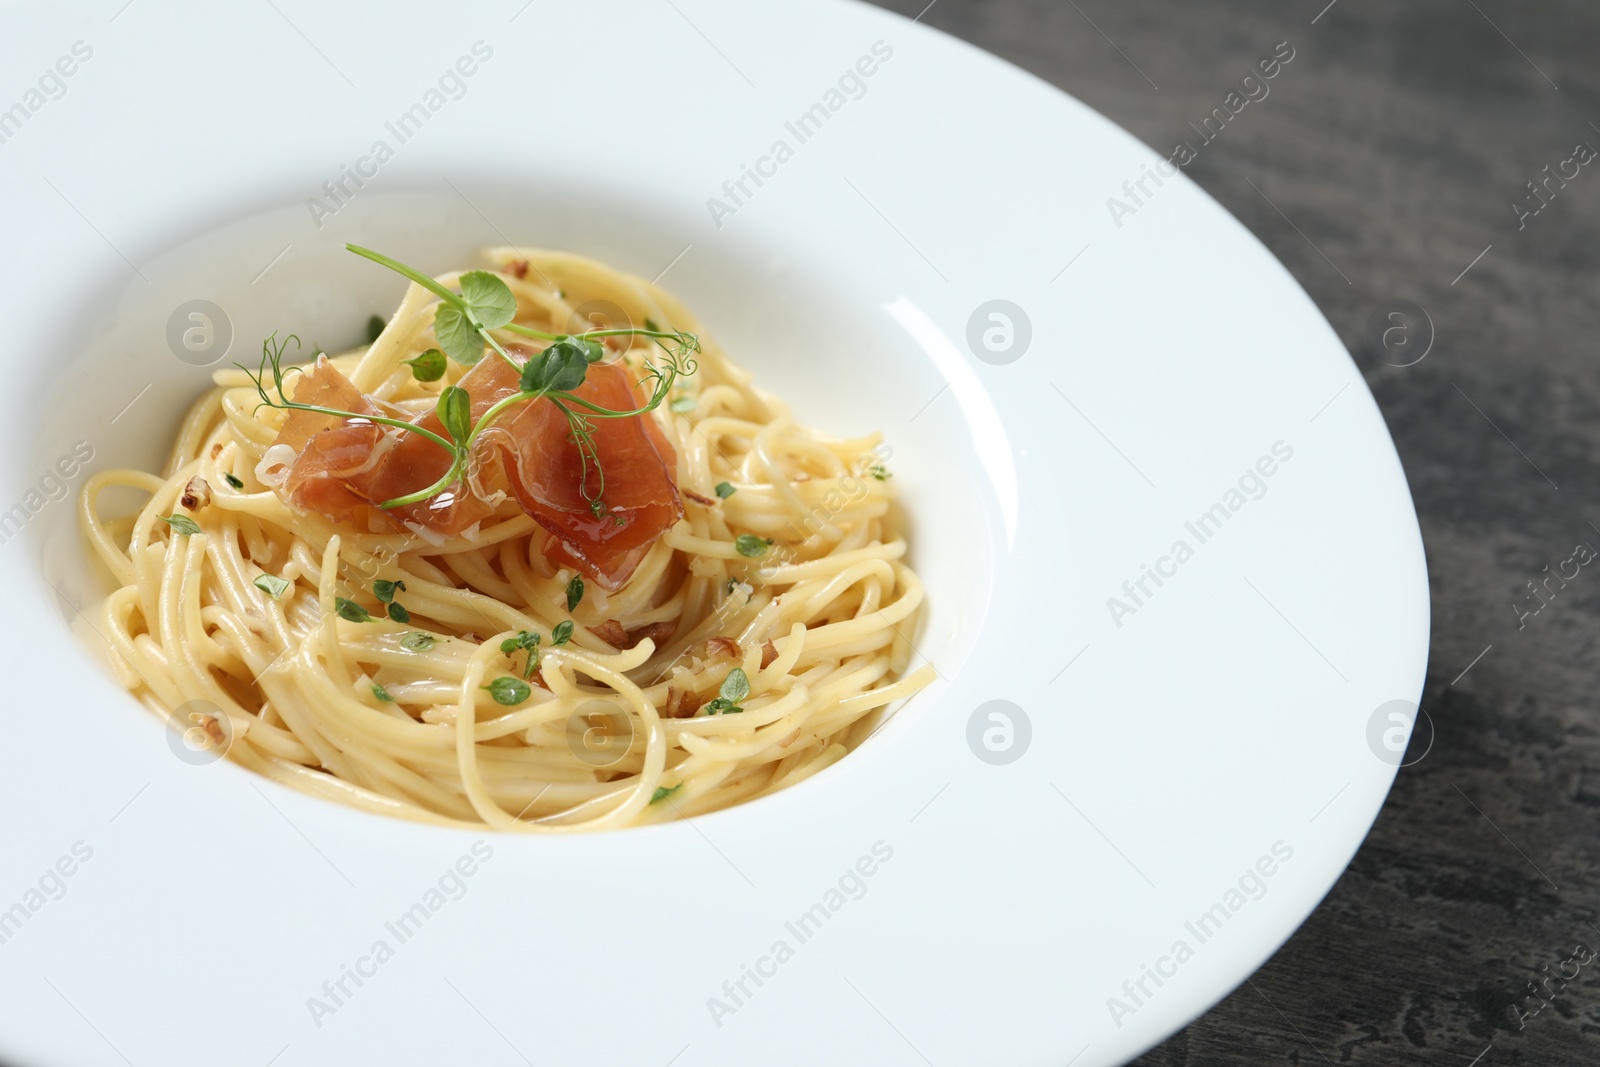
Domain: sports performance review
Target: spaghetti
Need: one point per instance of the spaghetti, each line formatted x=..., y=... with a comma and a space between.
x=475, y=677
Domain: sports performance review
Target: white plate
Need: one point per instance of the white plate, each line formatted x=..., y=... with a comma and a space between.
x=1166, y=755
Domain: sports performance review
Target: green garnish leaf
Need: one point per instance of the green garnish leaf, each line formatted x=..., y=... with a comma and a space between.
x=735, y=687
x=385, y=591
x=524, y=639
x=750, y=545
x=231, y=480
x=508, y=691
x=457, y=335
x=880, y=472
x=650, y=324
x=417, y=641
x=375, y=327
x=489, y=297
x=574, y=592
x=381, y=693
x=683, y=405
x=455, y=411
x=428, y=367
x=399, y=614
x=350, y=610
x=593, y=350
x=725, y=490
x=729, y=586
x=272, y=585
x=558, y=369
x=663, y=792
x=182, y=523
x=562, y=633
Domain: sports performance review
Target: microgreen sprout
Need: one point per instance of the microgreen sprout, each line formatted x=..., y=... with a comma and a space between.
x=465, y=325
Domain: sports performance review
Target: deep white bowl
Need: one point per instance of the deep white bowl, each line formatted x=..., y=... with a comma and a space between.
x=975, y=905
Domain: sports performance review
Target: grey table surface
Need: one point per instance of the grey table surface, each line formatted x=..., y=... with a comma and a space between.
x=1393, y=154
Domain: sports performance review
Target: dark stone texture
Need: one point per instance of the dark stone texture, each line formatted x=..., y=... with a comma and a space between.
x=1397, y=141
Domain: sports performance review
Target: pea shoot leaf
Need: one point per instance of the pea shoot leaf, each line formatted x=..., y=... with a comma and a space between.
x=559, y=368
x=489, y=297
x=455, y=411
x=457, y=335
x=428, y=367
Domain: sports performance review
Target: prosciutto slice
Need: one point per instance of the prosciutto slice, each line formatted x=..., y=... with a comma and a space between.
x=344, y=468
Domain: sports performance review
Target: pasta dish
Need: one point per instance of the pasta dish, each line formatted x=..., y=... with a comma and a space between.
x=538, y=557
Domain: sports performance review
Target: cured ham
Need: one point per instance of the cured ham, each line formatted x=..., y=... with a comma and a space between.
x=343, y=468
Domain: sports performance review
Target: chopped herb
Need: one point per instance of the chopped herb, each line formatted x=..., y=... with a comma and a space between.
x=381, y=693
x=729, y=586
x=562, y=633
x=683, y=405
x=349, y=609
x=750, y=545
x=182, y=523
x=385, y=591
x=524, y=639
x=574, y=592
x=650, y=324
x=399, y=614
x=725, y=490
x=508, y=691
x=735, y=687
x=461, y=324
x=375, y=327
x=272, y=585
x=663, y=792
x=428, y=367
x=236, y=483
x=417, y=641
x=880, y=472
